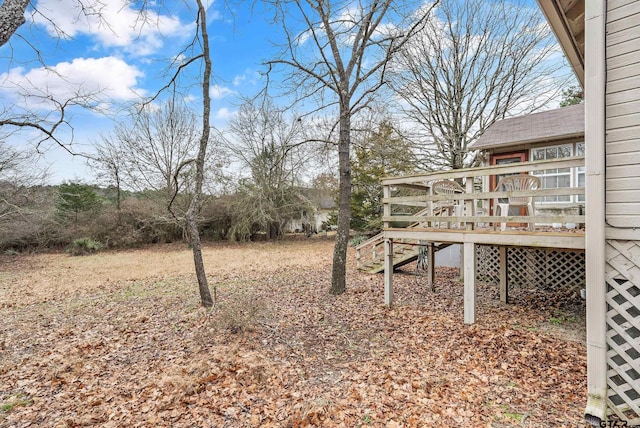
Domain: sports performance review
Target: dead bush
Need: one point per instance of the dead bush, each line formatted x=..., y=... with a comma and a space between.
x=239, y=313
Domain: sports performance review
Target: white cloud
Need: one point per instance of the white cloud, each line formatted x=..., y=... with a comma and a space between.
x=190, y=99
x=251, y=77
x=107, y=80
x=388, y=29
x=304, y=36
x=114, y=24
x=217, y=92
x=224, y=114
x=237, y=80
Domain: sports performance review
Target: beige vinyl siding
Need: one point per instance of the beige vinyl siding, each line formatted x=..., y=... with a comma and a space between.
x=623, y=114
x=621, y=10
x=624, y=95
x=625, y=135
x=620, y=159
x=623, y=184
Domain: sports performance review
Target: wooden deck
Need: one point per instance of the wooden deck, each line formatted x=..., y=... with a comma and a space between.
x=545, y=239
x=476, y=225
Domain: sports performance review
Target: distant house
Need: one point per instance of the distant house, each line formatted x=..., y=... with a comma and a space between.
x=320, y=204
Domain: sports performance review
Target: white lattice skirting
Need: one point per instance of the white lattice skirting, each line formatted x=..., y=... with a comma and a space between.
x=541, y=268
x=623, y=329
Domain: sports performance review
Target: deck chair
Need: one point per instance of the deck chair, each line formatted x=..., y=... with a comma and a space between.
x=514, y=183
x=448, y=206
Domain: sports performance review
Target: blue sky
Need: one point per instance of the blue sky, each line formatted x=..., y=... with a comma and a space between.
x=124, y=60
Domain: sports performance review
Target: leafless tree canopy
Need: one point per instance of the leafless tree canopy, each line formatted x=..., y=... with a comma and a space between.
x=109, y=165
x=269, y=145
x=159, y=146
x=21, y=194
x=474, y=63
x=261, y=130
x=19, y=173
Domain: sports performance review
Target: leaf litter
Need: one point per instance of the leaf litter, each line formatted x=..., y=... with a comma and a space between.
x=100, y=348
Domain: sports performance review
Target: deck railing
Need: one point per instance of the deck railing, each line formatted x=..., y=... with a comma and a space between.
x=477, y=212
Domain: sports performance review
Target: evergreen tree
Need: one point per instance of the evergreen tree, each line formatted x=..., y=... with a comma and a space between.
x=572, y=96
x=74, y=198
x=383, y=153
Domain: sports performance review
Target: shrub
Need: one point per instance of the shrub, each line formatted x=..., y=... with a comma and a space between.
x=83, y=246
x=240, y=313
x=357, y=240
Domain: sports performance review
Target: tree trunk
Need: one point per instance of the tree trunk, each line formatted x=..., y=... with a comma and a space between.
x=191, y=217
x=193, y=231
x=11, y=18
x=118, y=195
x=339, y=270
x=272, y=231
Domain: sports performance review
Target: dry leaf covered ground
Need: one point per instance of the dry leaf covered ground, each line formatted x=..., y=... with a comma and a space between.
x=118, y=339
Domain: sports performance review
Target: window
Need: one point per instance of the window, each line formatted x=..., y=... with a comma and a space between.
x=558, y=178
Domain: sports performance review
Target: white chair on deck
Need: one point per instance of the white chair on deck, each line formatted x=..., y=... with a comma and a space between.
x=450, y=206
x=514, y=183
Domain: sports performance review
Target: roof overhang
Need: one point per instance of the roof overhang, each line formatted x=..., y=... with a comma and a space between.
x=566, y=18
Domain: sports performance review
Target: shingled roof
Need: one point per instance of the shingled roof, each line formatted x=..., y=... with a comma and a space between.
x=546, y=126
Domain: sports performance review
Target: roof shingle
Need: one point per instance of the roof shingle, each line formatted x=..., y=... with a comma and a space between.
x=550, y=125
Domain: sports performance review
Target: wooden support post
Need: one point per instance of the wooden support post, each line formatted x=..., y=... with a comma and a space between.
x=388, y=272
x=504, y=279
x=430, y=205
x=431, y=266
x=469, y=204
x=461, y=272
x=469, y=283
x=386, y=208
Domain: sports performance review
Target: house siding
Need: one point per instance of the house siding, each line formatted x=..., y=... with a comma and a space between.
x=623, y=113
x=622, y=214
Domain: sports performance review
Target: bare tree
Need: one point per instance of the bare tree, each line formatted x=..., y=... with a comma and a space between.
x=474, y=63
x=191, y=218
x=18, y=174
x=21, y=194
x=46, y=115
x=158, y=147
x=108, y=165
x=155, y=152
x=152, y=153
x=270, y=145
x=197, y=52
x=342, y=54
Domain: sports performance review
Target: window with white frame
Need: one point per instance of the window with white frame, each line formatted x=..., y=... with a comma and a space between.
x=557, y=178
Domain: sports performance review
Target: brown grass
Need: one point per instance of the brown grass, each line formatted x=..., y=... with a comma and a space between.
x=31, y=279
x=119, y=339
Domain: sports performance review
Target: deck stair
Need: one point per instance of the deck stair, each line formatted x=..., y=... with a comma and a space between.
x=370, y=254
